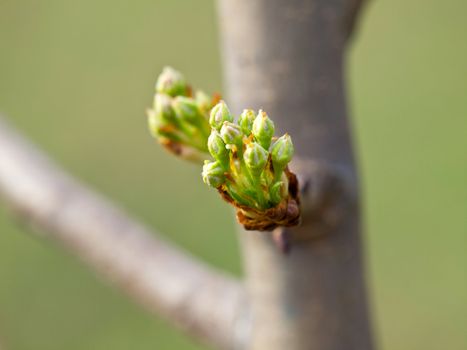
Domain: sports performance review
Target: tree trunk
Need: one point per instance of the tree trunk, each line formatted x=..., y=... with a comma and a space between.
x=286, y=56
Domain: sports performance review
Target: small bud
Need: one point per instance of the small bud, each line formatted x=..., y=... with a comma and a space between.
x=203, y=101
x=153, y=122
x=263, y=129
x=163, y=108
x=187, y=109
x=160, y=129
x=220, y=114
x=255, y=158
x=277, y=192
x=217, y=149
x=171, y=82
x=282, y=151
x=246, y=120
x=213, y=174
x=231, y=133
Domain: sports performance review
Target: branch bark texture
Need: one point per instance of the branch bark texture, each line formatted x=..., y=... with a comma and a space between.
x=200, y=300
x=287, y=57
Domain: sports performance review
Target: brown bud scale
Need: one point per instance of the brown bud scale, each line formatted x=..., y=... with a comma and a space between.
x=286, y=213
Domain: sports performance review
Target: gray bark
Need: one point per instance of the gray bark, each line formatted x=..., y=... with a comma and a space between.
x=287, y=57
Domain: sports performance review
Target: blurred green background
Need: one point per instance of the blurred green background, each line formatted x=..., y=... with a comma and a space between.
x=76, y=77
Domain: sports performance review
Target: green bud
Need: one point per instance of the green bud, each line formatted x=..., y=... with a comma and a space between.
x=187, y=109
x=231, y=134
x=153, y=122
x=255, y=158
x=282, y=151
x=220, y=114
x=171, y=82
x=163, y=108
x=159, y=128
x=203, y=101
x=277, y=192
x=217, y=149
x=246, y=120
x=263, y=129
x=213, y=174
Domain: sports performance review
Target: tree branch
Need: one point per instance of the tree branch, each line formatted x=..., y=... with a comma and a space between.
x=197, y=298
x=287, y=57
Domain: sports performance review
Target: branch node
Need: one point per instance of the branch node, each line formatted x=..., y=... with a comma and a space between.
x=327, y=195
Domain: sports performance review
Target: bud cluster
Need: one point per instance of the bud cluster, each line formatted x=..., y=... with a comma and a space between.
x=250, y=168
x=179, y=117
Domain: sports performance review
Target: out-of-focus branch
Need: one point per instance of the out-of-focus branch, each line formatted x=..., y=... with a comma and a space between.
x=198, y=299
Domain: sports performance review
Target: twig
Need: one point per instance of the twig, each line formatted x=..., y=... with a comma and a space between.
x=200, y=300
